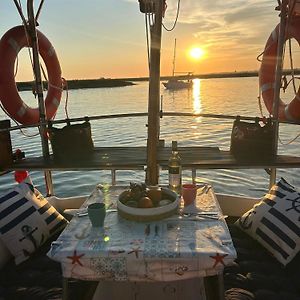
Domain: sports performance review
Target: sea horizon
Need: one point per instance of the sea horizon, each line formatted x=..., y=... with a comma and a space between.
x=188, y=75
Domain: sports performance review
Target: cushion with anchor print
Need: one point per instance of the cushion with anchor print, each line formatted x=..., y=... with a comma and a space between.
x=27, y=220
x=275, y=221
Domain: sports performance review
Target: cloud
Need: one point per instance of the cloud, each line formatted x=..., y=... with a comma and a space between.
x=227, y=28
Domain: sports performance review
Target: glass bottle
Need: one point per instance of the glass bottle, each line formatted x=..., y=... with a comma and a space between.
x=174, y=167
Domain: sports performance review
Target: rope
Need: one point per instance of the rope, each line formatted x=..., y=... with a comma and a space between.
x=29, y=51
x=291, y=141
x=17, y=66
x=260, y=105
x=263, y=117
x=65, y=83
x=27, y=39
x=292, y=67
x=176, y=19
x=15, y=121
x=291, y=8
x=290, y=46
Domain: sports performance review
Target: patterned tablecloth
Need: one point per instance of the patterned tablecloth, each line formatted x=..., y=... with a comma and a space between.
x=176, y=248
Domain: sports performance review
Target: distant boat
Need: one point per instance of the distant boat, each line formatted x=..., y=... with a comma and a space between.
x=174, y=83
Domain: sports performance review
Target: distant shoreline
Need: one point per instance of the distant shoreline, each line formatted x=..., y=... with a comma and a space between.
x=82, y=84
x=120, y=82
x=212, y=75
x=201, y=76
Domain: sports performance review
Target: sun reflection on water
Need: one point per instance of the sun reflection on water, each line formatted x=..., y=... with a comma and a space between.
x=197, y=105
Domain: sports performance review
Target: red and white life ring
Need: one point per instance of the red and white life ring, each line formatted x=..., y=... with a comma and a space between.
x=10, y=45
x=289, y=111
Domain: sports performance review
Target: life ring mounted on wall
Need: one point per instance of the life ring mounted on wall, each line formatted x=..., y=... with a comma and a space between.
x=286, y=112
x=10, y=45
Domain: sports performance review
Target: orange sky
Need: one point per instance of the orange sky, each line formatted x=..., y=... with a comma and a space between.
x=103, y=38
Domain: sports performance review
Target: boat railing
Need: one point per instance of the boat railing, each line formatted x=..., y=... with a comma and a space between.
x=142, y=114
x=112, y=158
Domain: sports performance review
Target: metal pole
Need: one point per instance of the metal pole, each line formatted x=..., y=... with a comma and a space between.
x=278, y=74
x=39, y=10
x=154, y=96
x=39, y=90
x=21, y=13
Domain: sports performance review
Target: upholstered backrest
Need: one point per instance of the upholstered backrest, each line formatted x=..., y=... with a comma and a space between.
x=27, y=220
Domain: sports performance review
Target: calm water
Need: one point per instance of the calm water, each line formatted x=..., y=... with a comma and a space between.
x=216, y=96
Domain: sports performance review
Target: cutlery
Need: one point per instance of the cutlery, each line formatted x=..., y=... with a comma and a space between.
x=208, y=215
x=199, y=213
x=195, y=217
x=213, y=217
x=205, y=188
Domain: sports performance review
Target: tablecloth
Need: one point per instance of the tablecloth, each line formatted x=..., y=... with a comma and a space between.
x=184, y=246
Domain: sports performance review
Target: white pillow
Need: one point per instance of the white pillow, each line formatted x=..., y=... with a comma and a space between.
x=27, y=220
x=275, y=221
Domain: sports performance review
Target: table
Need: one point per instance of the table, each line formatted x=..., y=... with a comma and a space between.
x=181, y=247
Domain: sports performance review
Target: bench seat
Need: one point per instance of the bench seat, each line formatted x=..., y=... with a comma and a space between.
x=257, y=275
x=39, y=278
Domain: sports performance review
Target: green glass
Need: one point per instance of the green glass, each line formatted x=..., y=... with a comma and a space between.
x=97, y=212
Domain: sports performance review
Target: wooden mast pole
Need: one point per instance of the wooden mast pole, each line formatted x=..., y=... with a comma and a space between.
x=154, y=95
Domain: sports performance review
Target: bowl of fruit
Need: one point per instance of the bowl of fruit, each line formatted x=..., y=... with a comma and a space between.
x=147, y=203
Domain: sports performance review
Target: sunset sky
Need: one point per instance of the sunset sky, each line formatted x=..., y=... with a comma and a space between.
x=106, y=38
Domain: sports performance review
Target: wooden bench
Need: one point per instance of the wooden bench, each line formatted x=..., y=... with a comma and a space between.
x=135, y=158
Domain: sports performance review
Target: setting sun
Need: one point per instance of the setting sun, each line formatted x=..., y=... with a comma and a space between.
x=196, y=53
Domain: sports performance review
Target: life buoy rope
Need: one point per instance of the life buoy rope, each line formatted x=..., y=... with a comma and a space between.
x=286, y=112
x=10, y=45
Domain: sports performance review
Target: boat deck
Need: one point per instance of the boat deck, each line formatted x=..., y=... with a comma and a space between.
x=135, y=158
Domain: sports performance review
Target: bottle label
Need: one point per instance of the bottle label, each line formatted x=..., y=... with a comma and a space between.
x=174, y=170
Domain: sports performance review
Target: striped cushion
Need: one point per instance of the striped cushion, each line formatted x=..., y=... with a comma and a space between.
x=275, y=221
x=27, y=220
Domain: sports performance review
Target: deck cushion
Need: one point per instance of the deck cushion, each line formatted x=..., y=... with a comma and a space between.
x=274, y=221
x=27, y=220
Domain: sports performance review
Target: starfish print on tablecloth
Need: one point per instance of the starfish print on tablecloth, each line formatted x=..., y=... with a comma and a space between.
x=137, y=242
x=218, y=259
x=135, y=251
x=76, y=258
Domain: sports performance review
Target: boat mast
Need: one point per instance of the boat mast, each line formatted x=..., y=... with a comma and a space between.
x=32, y=21
x=174, y=59
x=278, y=75
x=152, y=172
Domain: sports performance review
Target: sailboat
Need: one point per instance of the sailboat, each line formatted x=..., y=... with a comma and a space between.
x=174, y=83
x=41, y=278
